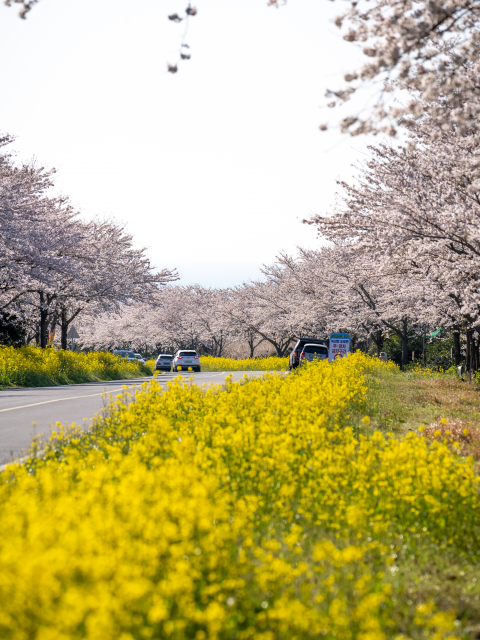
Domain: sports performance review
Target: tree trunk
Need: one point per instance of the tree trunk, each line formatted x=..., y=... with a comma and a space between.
x=404, y=336
x=43, y=322
x=474, y=350
x=278, y=348
x=64, y=328
x=379, y=339
x=252, y=345
x=456, y=348
x=467, y=352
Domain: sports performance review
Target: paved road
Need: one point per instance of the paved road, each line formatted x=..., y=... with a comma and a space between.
x=28, y=412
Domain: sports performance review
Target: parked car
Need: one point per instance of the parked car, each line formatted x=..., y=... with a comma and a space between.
x=185, y=359
x=163, y=362
x=312, y=352
x=138, y=356
x=294, y=360
x=125, y=353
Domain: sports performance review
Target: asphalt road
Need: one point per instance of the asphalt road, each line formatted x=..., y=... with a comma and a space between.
x=25, y=413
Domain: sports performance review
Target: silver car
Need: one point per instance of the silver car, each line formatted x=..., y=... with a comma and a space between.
x=164, y=362
x=312, y=352
x=186, y=359
x=139, y=357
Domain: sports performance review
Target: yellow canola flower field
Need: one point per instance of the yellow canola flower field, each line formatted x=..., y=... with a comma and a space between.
x=33, y=366
x=259, y=511
x=210, y=363
x=272, y=363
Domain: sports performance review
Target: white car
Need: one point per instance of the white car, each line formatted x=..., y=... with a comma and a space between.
x=138, y=356
x=312, y=352
x=186, y=359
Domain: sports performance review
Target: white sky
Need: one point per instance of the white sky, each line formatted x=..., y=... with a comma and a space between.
x=212, y=168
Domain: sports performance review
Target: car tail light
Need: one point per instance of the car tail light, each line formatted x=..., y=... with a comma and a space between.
x=295, y=353
x=302, y=355
x=179, y=357
x=195, y=357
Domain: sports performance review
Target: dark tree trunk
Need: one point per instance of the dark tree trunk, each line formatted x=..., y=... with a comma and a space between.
x=64, y=328
x=278, y=348
x=217, y=346
x=474, y=349
x=43, y=321
x=251, y=344
x=379, y=339
x=467, y=352
x=456, y=348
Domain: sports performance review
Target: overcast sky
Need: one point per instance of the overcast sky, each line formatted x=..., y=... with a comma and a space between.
x=212, y=168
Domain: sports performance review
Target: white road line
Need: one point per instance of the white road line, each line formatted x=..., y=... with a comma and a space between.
x=91, y=395
x=35, y=404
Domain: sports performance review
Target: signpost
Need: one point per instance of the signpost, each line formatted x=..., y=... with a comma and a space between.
x=72, y=335
x=339, y=346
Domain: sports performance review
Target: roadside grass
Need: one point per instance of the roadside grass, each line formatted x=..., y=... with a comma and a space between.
x=444, y=410
x=264, y=510
x=439, y=406
x=35, y=367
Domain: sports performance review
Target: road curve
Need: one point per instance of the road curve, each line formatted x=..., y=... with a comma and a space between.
x=25, y=413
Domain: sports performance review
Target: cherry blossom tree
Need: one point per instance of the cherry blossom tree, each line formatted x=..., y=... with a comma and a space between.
x=340, y=289
x=53, y=264
x=175, y=317
x=429, y=48
x=415, y=212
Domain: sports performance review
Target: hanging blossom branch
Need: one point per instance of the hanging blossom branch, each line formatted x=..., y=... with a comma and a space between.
x=430, y=48
x=184, y=53
x=26, y=6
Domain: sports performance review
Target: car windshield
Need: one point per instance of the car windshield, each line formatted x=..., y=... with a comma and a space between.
x=302, y=344
x=138, y=355
x=187, y=353
x=166, y=357
x=319, y=350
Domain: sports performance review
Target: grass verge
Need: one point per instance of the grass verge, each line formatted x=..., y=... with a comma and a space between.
x=438, y=406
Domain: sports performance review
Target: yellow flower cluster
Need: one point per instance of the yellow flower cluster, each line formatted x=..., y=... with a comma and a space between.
x=418, y=370
x=33, y=366
x=210, y=363
x=248, y=512
x=272, y=363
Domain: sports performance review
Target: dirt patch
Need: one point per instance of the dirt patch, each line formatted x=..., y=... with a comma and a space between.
x=459, y=434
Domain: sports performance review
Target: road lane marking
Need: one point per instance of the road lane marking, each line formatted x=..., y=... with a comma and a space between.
x=35, y=404
x=90, y=395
